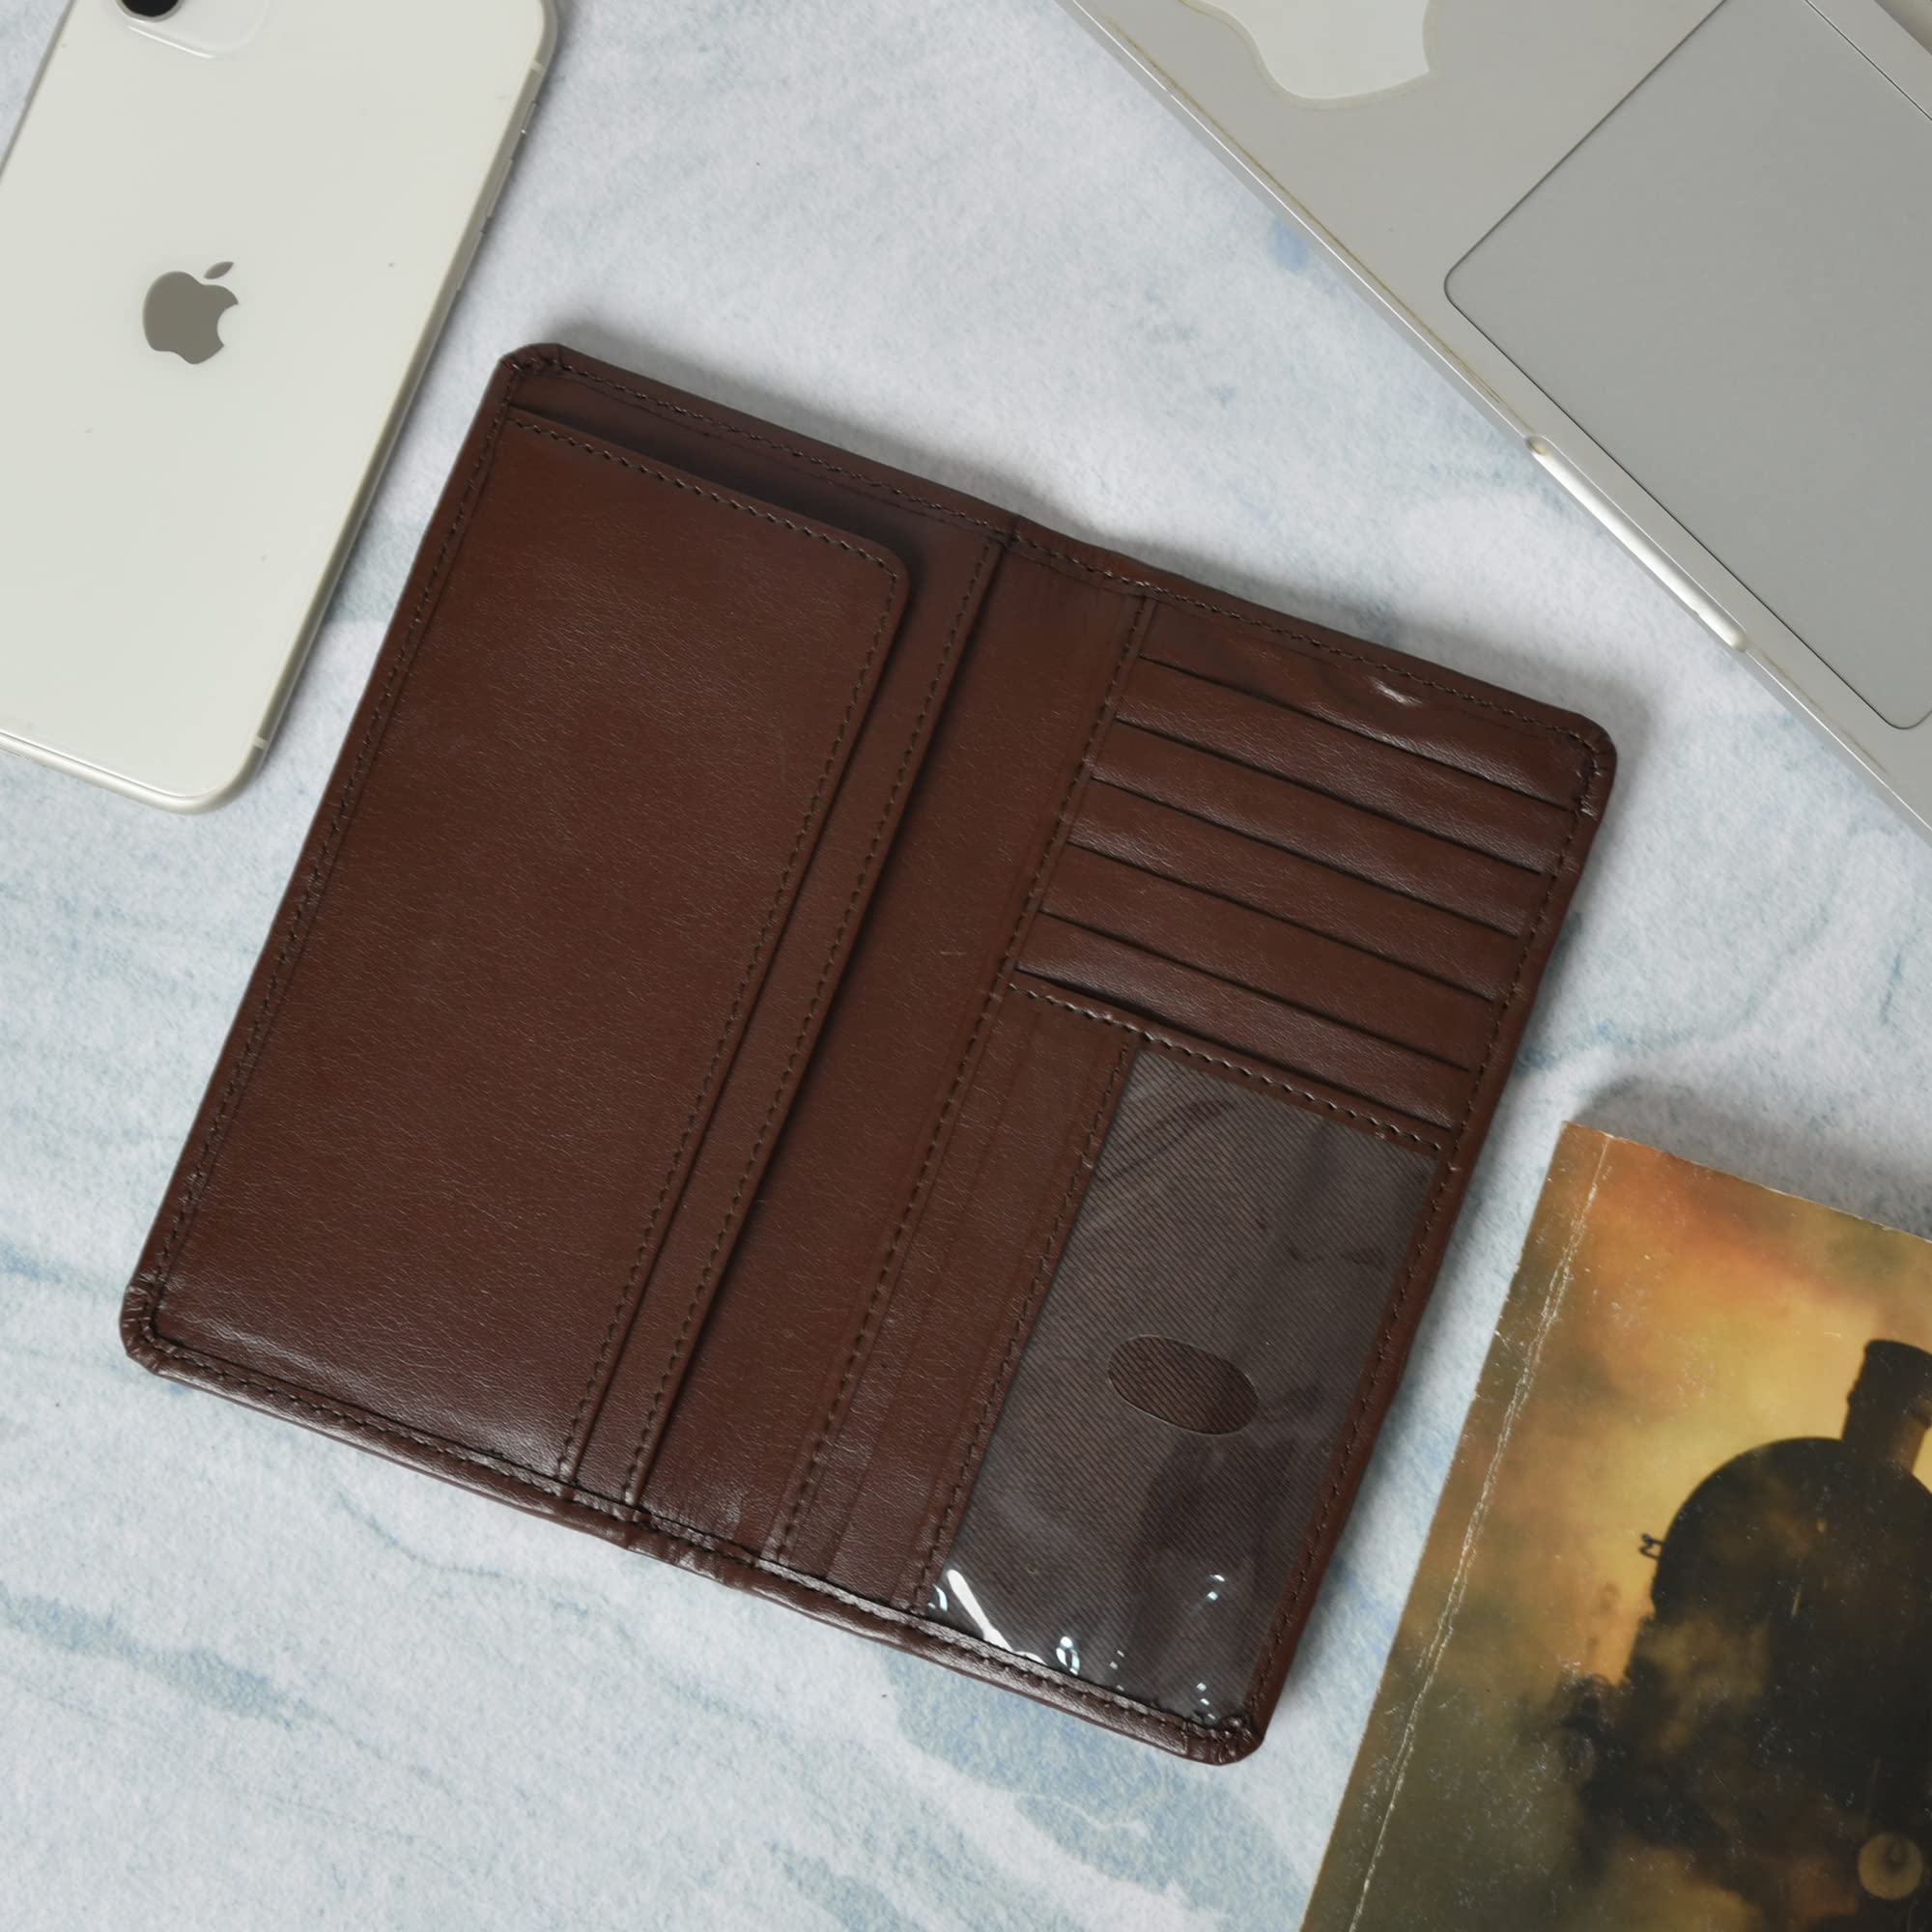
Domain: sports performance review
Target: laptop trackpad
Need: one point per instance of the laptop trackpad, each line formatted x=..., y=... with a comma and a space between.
x=1729, y=286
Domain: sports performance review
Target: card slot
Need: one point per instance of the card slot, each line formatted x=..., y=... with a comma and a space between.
x=1320, y=673
x=1398, y=858
x=1268, y=1074
x=1373, y=1071
x=1505, y=826
x=1107, y=928
x=1256, y=950
x=1177, y=844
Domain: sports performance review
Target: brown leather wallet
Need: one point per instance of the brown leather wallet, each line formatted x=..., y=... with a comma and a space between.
x=833, y=1036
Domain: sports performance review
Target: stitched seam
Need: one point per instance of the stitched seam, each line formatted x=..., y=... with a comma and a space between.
x=694, y=489
x=940, y=1533
x=1059, y=914
x=1136, y=630
x=627, y=1296
x=561, y=365
x=716, y=425
x=1143, y=866
x=1171, y=1045
x=1315, y=783
x=1543, y=725
x=633, y=1475
x=570, y=1494
x=200, y=1173
x=1336, y=867
x=1346, y=1460
x=1299, y=708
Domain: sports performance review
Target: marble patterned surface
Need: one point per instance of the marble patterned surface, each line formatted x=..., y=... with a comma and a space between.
x=248, y=1678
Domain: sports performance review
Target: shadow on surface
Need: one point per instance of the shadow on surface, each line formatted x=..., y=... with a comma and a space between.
x=1802, y=1157
x=1606, y=696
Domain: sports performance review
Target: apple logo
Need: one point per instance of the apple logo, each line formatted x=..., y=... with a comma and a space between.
x=1334, y=51
x=184, y=314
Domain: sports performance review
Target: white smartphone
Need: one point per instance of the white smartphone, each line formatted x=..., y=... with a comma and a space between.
x=232, y=230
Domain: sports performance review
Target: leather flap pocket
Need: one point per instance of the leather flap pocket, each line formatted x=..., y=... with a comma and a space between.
x=544, y=919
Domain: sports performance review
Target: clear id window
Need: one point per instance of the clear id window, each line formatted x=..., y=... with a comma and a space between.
x=1161, y=1452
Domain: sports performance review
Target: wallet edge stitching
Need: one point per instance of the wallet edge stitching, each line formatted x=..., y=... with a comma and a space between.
x=1217, y=1742
x=622, y=1520
x=322, y=870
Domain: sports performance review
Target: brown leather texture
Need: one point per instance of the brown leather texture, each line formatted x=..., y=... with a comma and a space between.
x=839, y=1039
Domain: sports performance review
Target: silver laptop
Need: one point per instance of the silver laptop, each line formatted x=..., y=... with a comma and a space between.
x=1682, y=247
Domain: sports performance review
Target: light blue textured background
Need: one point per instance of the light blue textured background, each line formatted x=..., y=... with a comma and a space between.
x=248, y=1678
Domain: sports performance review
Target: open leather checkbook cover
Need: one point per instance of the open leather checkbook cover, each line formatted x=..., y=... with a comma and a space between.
x=857, y=1046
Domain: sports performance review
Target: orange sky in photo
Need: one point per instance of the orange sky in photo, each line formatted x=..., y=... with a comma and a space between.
x=1704, y=1316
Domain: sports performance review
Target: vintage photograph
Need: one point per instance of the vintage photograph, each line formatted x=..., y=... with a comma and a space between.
x=1668, y=1657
